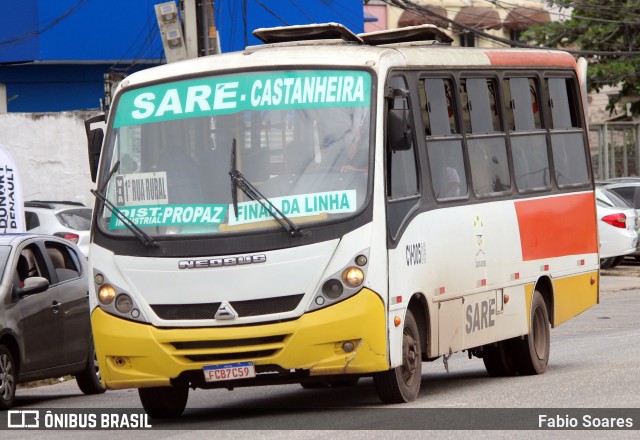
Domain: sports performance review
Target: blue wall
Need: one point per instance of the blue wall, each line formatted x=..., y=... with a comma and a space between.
x=80, y=30
x=235, y=31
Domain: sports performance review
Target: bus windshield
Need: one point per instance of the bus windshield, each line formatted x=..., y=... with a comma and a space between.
x=302, y=139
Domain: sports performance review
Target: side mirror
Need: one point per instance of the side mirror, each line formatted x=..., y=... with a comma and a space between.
x=95, y=136
x=32, y=286
x=399, y=135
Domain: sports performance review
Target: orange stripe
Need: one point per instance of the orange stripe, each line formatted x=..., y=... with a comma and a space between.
x=557, y=226
x=531, y=58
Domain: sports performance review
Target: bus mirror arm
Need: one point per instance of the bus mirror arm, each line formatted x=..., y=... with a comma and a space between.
x=95, y=136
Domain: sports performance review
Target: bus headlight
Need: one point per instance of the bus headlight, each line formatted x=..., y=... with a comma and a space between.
x=353, y=276
x=107, y=294
x=332, y=288
x=117, y=301
x=342, y=284
x=124, y=303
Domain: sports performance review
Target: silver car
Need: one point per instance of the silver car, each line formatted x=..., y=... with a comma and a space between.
x=45, y=327
x=70, y=220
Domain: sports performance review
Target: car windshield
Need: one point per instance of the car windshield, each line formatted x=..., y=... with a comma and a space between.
x=78, y=219
x=302, y=140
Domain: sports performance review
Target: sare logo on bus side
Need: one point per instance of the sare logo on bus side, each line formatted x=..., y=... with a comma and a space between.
x=220, y=262
x=416, y=254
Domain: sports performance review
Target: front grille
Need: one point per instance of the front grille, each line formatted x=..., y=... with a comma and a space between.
x=254, y=307
x=224, y=350
x=222, y=357
x=197, y=345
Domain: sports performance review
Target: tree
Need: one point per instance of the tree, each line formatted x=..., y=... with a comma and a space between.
x=607, y=33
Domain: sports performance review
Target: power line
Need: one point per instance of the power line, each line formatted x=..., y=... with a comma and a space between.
x=25, y=37
x=412, y=6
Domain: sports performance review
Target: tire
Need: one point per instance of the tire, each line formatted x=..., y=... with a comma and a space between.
x=8, y=375
x=164, y=402
x=531, y=354
x=609, y=263
x=90, y=380
x=617, y=261
x=402, y=384
x=497, y=360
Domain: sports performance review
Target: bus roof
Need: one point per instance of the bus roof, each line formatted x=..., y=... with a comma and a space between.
x=333, y=45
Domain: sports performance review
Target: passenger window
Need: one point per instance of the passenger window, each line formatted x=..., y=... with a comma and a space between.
x=64, y=260
x=438, y=110
x=563, y=101
x=31, y=220
x=486, y=143
x=29, y=265
x=489, y=166
x=521, y=103
x=570, y=158
x=479, y=105
x=528, y=140
x=444, y=143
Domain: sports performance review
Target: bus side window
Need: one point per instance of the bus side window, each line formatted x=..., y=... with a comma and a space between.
x=567, y=139
x=444, y=142
x=528, y=138
x=486, y=141
x=402, y=176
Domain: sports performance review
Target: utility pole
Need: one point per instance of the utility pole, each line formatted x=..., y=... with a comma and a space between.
x=199, y=27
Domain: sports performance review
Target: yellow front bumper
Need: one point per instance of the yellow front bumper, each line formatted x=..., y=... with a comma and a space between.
x=134, y=355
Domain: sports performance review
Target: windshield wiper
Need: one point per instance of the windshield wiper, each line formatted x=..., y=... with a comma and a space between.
x=239, y=181
x=135, y=229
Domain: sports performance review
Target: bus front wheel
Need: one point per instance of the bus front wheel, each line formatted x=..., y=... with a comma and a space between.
x=164, y=402
x=402, y=384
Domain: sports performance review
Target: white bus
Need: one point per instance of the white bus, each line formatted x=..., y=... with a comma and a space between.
x=330, y=206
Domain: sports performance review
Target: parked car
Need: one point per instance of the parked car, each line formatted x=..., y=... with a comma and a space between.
x=70, y=220
x=45, y=327
x=628, y=188
x=618, y=228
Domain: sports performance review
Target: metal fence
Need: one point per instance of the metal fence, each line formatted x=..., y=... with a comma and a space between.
x=615, y=149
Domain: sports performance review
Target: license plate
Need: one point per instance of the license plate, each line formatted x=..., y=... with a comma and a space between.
x=237, y=370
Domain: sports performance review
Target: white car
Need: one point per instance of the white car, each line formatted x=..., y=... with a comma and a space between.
x=70, y=220
x=618, y=228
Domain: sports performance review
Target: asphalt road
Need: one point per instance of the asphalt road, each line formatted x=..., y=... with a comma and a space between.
x=593, y=364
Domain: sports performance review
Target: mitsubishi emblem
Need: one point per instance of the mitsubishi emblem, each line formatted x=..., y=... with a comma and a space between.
x=225, y=311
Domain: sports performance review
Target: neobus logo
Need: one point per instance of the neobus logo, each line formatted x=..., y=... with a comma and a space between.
x=219, y=262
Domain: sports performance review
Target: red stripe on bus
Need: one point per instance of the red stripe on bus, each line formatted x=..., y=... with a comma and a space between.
x=557, y=226
x=513, y=58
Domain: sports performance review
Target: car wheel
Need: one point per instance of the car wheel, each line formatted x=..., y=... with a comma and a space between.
x=89, y=380
x=607, y=263
x=531, y=354
x=7, y=378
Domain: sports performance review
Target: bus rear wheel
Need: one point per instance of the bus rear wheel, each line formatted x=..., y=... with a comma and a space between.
x=497, y=360
x=531, y=355
x=164, y=402
x=402, y=384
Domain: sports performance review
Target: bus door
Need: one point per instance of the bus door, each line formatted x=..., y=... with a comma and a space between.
x=403, y=200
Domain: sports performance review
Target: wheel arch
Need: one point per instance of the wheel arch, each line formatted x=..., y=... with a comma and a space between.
x=544, y=285
x=11, y=343
x=418, y=305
